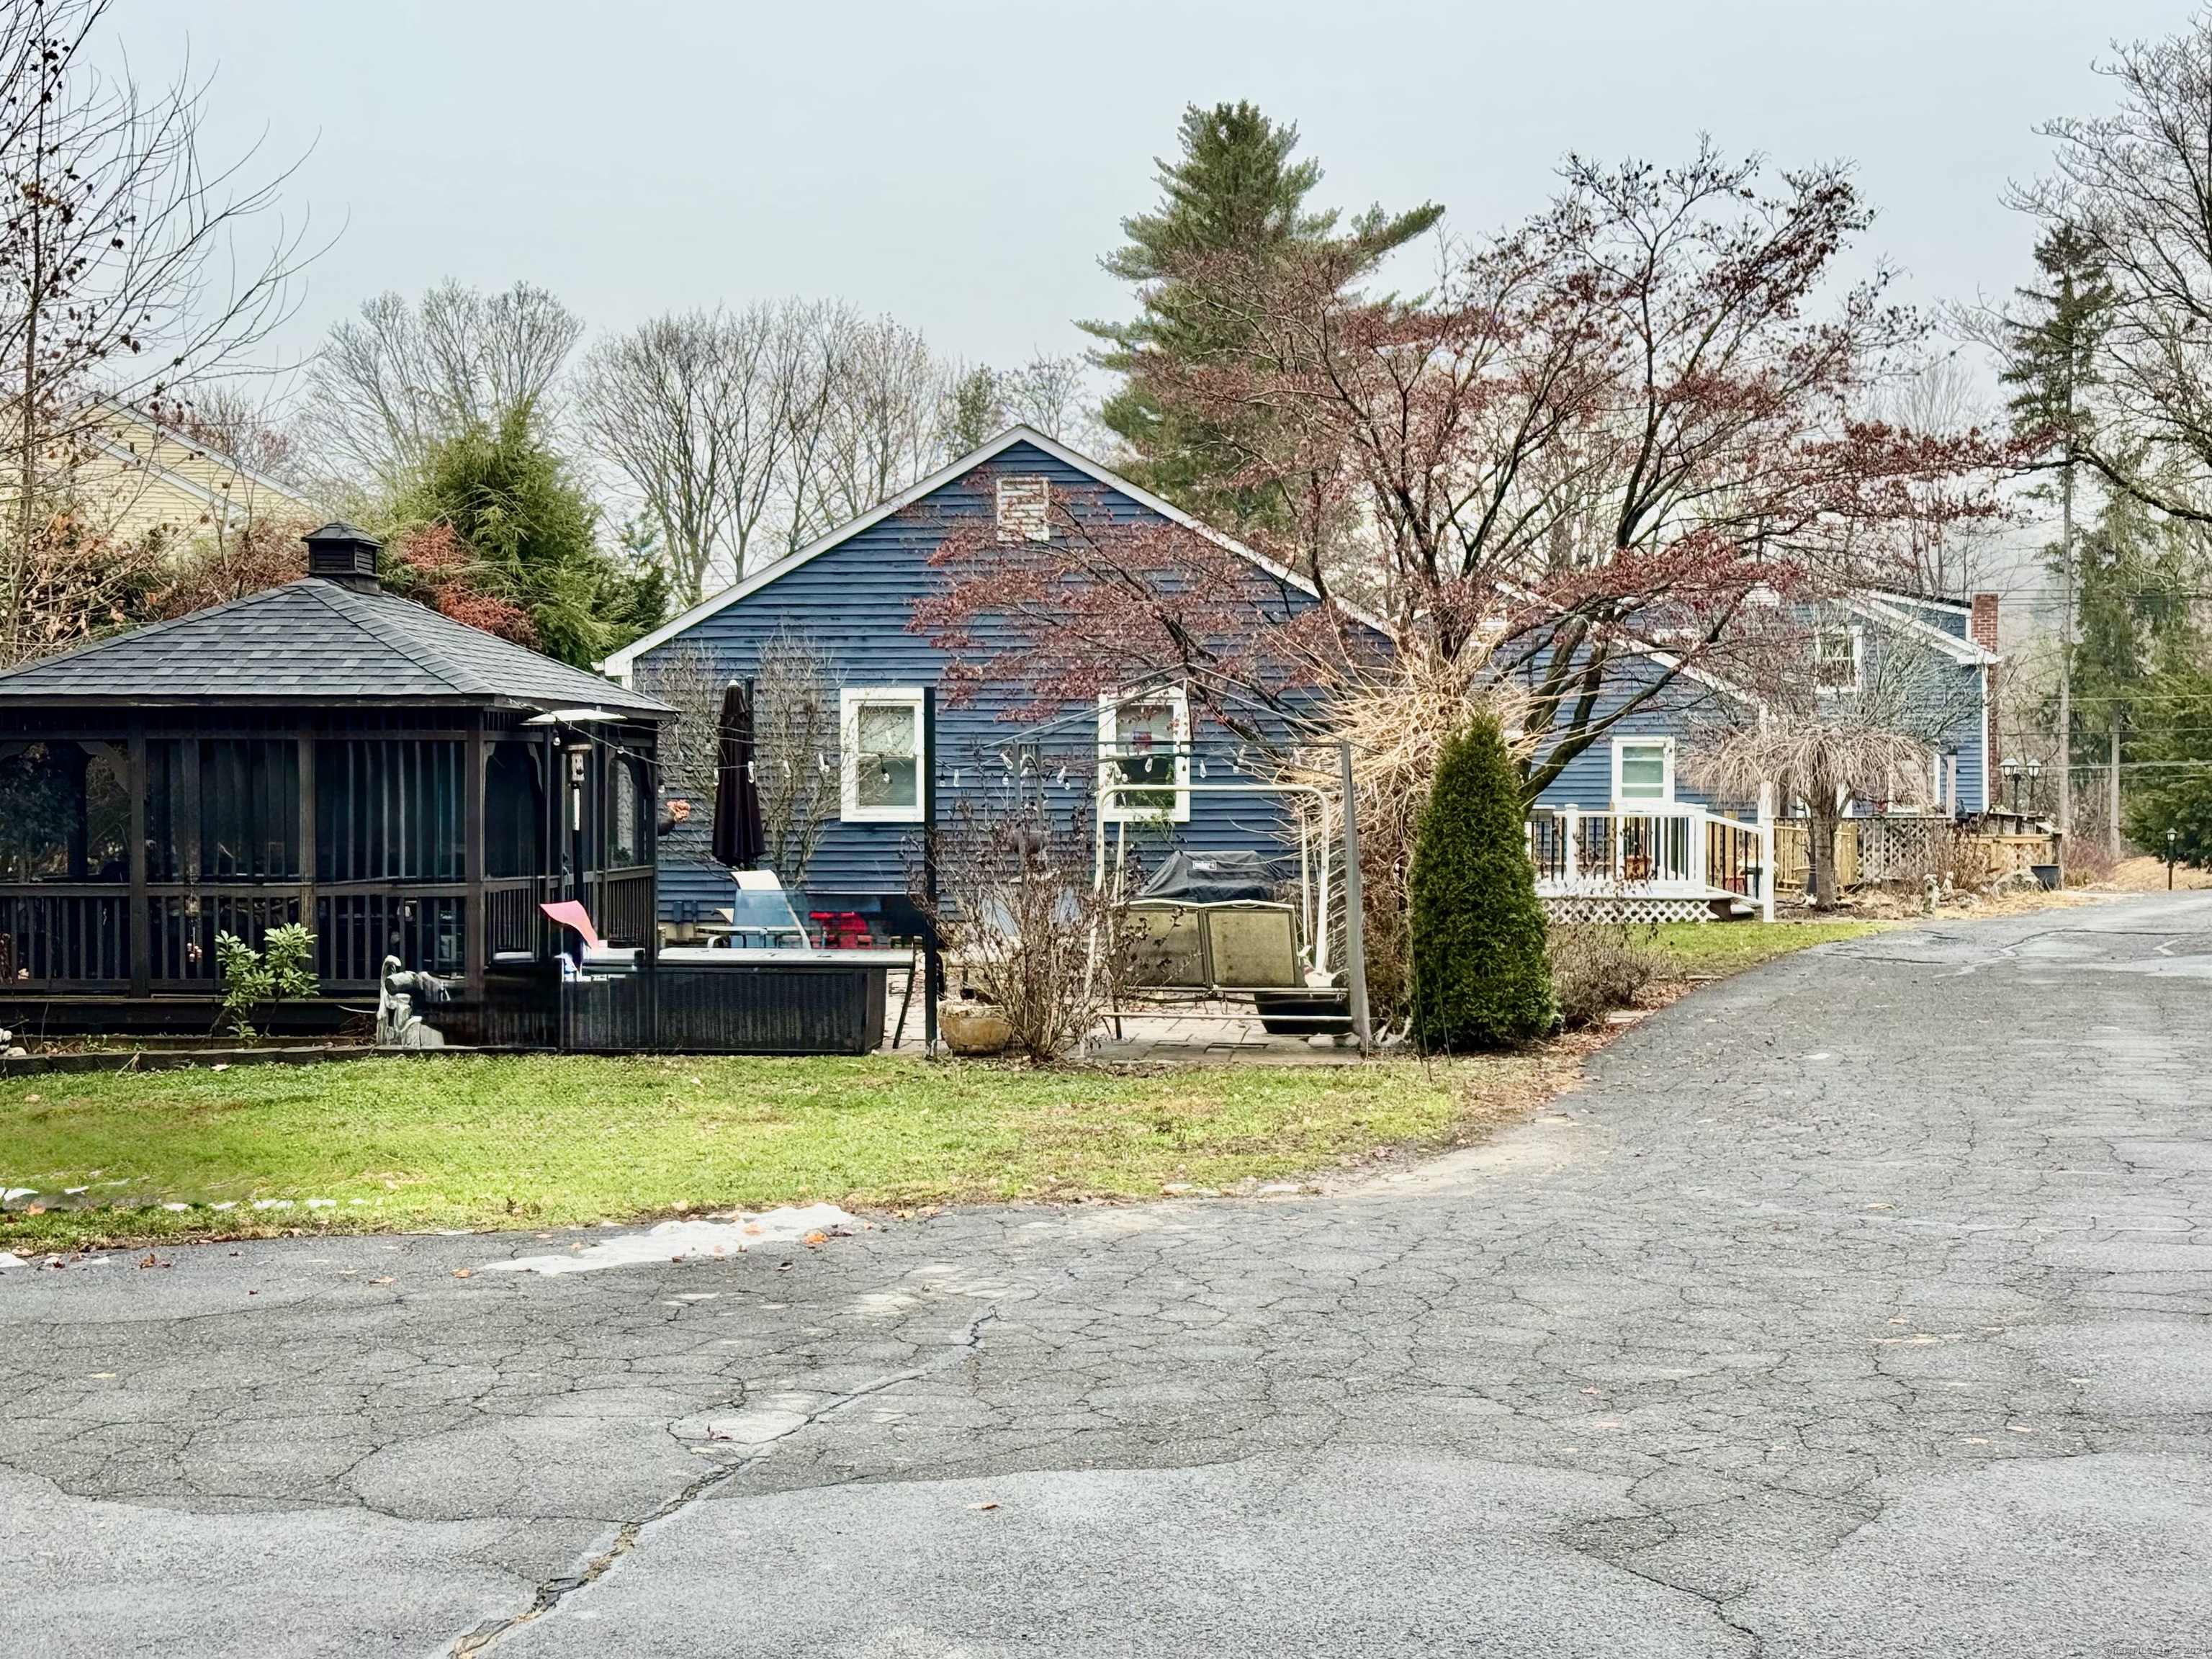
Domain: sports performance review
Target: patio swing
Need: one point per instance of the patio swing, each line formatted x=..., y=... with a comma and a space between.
x=1211, y=927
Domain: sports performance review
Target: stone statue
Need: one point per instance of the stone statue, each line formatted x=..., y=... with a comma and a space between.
x=401, y=996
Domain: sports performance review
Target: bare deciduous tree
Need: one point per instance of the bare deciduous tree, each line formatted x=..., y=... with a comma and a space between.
x=400, y=377
x=795, y=757
x=880, y=430
x=122, y=274
x=1835, y=716
x=696, y=411
x=795, y=765
x=2137, y=185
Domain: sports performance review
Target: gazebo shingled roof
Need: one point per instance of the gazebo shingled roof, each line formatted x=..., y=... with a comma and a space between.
x=313, y=642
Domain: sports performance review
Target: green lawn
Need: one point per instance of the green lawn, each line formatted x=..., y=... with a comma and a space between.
x=1703, y=948
x=515, y=1141
x=460, y=1142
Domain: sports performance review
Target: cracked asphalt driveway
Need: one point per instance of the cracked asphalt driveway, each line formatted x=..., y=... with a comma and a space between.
x=1858, y=1306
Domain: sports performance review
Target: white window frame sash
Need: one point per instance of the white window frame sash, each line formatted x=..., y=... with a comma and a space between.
x=1115, y=808
x=1857, y=635
x=1622, y=803
x=850, y=700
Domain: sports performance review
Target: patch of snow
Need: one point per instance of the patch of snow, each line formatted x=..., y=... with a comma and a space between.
x=272, y=1203
x=12, y=1193
x=322, y=1203
x=683, y=1240
x=176, y=1206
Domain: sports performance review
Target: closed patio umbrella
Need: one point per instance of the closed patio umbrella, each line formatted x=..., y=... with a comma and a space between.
x=738, y=841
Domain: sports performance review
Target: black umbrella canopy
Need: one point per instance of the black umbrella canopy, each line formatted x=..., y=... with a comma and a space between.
x=738, y=841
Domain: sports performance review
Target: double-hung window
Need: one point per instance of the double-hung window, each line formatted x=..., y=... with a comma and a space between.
x=884, y=758
x=1143, y=737
x=1643, y=771
x=1836, y=660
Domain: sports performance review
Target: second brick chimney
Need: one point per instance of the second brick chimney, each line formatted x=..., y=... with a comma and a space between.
x=1982, y=626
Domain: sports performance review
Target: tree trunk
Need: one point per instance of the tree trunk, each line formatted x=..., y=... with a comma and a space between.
x=1821, y=884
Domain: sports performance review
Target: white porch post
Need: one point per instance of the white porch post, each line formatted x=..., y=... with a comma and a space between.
x=1766, y=851
x=1574, y=823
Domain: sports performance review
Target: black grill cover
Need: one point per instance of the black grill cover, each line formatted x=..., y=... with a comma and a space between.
x=1211, y=879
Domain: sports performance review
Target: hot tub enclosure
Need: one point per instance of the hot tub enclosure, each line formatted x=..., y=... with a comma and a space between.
x=321, y=753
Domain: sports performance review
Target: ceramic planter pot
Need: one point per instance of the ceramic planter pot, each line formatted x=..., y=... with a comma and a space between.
x=973, y=1028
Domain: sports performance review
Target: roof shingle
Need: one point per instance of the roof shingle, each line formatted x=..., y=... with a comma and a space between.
x=313, y=640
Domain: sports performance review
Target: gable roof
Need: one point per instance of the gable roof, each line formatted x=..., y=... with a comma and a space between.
x=1878, y=606
x=117, y=446
x=620, y=663
x=314, y=641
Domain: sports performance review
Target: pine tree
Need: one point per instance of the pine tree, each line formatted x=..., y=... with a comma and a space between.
x=1235, y=191
x=2051, y=346
x=1481, y=980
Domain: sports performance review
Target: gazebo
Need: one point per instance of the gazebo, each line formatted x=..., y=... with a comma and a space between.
x=321, y=753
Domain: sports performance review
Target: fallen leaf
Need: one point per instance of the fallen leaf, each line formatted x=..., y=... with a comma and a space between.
x=31, y=1100
x=983, y=1506
x=461, y=1273
x=386, y=1280
x=2014, y=1428
x=815, y=1238
x=153, y=1261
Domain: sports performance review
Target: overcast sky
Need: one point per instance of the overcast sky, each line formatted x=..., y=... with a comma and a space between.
x=963, y=168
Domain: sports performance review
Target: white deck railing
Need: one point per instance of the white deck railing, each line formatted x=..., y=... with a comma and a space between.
x=1664, y=852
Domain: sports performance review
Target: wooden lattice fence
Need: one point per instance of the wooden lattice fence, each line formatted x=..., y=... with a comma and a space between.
x=1906, y=851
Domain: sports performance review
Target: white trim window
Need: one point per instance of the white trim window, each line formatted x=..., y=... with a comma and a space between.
x=883, y=744
x=1144, y=737
x=1643, y=772
x=1838, y=654
x=1025, y=509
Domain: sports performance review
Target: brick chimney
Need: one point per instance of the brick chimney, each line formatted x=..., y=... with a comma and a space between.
x=345, y=554
x=1982, y=626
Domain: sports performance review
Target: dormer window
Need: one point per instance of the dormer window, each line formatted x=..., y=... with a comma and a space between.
x=1025, y=509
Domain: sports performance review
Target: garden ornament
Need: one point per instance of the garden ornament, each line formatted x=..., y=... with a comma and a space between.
x=401, y=995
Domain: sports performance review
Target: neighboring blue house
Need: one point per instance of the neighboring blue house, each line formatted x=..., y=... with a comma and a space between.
x=1636, y=764
x=852, y=594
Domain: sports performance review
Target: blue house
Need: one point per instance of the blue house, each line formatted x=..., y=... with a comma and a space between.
x=1642, y=759
x=1623, y=814
x=906, y=747
x=1624, y=824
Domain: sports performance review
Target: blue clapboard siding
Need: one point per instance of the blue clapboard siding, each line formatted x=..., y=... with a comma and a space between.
x=855, y=601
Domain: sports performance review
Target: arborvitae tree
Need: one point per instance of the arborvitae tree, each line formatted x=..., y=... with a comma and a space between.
x=1479, y=976
x=1235, y=193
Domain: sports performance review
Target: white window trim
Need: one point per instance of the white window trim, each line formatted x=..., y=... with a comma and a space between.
x=1016, y=490
x=1623, y=804
x=1857, y=634
x=1112, y=809
x=849, y=700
